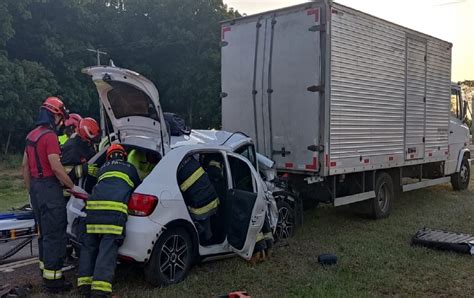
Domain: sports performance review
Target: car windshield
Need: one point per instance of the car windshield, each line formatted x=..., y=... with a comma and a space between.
x=126, y=100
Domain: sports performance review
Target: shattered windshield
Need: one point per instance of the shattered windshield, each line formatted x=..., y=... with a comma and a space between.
x=126, y=100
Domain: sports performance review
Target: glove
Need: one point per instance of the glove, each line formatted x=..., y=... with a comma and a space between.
x=92, y=170
x=78, y=189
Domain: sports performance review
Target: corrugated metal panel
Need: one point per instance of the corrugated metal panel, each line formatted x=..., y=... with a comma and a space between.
x=437, y=97
x=367, y=87
x=415, y=99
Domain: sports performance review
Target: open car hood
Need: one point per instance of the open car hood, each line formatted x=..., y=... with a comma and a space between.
x=132, y=105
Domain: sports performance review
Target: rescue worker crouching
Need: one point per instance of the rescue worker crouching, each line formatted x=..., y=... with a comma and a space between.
x=70, y=127
x=107, y=213
x=79, y=149
x=199, y=195
x=43, y=175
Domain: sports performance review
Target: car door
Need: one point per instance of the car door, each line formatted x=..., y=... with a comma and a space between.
x=247, y=205
x=132, y=104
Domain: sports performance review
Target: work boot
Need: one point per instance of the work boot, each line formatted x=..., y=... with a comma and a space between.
x=85, y=291
x=100, y=294
x=53, y=289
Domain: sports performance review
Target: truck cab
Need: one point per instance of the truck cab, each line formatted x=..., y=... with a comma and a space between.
x=458, y=139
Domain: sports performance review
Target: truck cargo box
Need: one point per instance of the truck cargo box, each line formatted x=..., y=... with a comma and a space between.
x=324, y=88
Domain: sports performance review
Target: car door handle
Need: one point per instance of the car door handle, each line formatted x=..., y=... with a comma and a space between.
x=451, y=131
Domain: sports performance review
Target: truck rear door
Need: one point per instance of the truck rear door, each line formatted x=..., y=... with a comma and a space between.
x=271, y=83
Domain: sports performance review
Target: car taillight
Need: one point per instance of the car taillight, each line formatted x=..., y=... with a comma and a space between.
x=141, y=205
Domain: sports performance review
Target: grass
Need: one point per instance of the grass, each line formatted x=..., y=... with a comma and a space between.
x=374, y=257
x=12, y=190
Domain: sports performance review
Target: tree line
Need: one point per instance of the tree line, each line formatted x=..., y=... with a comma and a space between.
x=43, y=47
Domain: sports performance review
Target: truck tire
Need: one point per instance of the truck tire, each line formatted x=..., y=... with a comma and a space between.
x=381, y=205
x=460, y=180
x=171, y=259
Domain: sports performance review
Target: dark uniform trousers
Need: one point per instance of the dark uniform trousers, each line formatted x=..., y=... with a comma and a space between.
x=104, y=226
x=98, y=261
x=49, y=209
x=199, y=195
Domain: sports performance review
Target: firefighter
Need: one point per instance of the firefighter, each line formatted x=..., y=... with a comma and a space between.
x=70, y=127
x=199, y=195
x=107, y=214
x=263, y=244
x=43, y=175
x=142, y=161
x=79, y=149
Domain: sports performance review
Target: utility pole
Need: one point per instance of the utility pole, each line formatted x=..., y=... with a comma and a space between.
x=101, y=110
x=98, y=53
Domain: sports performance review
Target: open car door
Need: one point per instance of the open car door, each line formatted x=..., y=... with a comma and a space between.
x=247, y=206
x=132, y=105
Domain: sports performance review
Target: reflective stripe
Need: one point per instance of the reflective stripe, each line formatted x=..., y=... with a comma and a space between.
x=101, y=286
x=214, y=163
x=104, y=229
x=205, y=209
x=116, y=174
x=107, y=205
x=78, y=171
x=259, y=237
x=41, y=265
x=63, y=139
x=84, y=281
x=268, y=236
x=52, y=274
x=192, y=179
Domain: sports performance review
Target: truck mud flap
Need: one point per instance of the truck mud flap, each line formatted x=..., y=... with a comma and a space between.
x=443, y=240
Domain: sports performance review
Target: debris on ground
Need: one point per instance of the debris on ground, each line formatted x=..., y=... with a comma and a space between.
x=327, y=259
x=444, y=240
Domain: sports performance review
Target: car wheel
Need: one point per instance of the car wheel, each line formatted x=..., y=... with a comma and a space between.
x=286, y=221
x=381, y=205
x=460, y=180
x=171, y=259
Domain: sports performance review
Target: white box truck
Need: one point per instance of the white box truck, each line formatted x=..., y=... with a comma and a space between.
x=351, y=107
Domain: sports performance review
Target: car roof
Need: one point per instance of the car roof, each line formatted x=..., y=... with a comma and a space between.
x=211, y=137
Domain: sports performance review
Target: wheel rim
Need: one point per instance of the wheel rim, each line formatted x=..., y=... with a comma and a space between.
x=173, y=257
x=383, y=197
x=464, y=173
x=285, y=223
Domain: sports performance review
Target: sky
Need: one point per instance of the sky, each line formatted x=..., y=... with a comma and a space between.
x=450, y=20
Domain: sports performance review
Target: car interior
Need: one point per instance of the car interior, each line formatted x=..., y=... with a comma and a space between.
x=236, y=204
x=152, y=157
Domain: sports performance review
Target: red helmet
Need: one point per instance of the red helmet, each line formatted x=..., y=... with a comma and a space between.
x=73, y=120
x=88, y=129
x=116, y=148
x=55, y=106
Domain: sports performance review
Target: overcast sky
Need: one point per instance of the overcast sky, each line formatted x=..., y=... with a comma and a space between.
x=450, y=20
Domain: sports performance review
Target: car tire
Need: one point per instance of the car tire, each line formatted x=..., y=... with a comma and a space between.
x=286, y=221
x=460, y=180
x=171, y=259
x=381, y=205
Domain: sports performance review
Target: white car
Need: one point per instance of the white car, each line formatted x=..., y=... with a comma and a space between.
x=160, y=232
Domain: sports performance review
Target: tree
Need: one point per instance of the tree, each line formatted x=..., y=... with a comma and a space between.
x=43, y=49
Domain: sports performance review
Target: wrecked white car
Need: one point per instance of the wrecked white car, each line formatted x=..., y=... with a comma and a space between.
x=160, y=232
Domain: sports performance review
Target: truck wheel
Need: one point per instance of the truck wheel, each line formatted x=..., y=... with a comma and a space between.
x=460, y=180
x=171, y=258
x=286, y=221
x=381, y=205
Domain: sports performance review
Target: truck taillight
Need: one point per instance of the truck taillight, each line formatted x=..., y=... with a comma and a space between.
x=141, y=205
